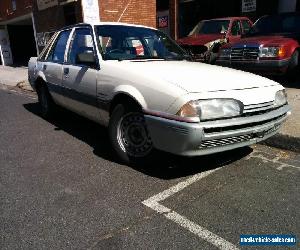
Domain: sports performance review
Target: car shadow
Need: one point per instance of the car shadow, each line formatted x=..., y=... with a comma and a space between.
x=162, y=165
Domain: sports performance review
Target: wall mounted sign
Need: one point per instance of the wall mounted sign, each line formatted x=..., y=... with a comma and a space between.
x=45, y=4
x=248, y=6
x=163, y=22
x=90, y=11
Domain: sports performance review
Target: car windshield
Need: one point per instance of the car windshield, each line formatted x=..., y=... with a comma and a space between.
x=278, y=24
x=211, y=27
x=120, y=42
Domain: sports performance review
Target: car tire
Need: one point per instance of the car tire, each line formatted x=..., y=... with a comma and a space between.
x=129, y=135
x=45, y=100
x=294, y=66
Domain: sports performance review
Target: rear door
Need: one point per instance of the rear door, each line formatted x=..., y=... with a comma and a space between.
x=80, y=80
x=53, y=64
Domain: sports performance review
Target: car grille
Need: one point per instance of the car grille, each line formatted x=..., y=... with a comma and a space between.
x=237, y=139
x=257, y=109
x=224, y=142
x=238, y=54
x=243, y=126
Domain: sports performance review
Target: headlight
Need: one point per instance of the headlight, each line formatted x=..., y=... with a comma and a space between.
x=225, y=53
x=271, y=52
x=280, y=98
x=211, y=109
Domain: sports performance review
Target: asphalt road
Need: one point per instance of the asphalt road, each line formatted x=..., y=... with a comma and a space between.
x=61, y=186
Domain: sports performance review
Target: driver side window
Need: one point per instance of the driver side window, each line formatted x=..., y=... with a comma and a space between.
x=236, y=29
x=82, y=42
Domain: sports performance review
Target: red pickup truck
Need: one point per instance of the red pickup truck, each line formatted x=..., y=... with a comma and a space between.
x=205, y=40
x=271, y=47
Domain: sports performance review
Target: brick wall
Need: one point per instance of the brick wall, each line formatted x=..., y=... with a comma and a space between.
x=22, y=7
x=134, y=11
x=53, y=18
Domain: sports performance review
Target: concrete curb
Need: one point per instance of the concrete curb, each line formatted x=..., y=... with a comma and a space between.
x=282, y=141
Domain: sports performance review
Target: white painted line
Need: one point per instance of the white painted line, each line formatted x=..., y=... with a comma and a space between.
x=277, y=161
x=201, y=232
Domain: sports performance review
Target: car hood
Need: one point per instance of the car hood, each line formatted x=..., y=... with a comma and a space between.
x=199, y=39
x=197, y=77
x=261, y=40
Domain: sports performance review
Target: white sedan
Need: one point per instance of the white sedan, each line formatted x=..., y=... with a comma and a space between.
x=141, y=85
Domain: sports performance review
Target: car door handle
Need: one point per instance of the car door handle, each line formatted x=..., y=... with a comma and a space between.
x=66, y=72
x=44, y=67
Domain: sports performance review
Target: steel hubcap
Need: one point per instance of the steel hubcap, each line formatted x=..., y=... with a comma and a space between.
x=133, y=135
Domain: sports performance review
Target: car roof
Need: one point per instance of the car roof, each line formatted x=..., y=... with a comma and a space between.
x=227, y=18
x=106, y=23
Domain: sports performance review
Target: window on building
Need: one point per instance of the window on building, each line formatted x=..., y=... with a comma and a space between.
x=236, y=29
x=82, y=42
x=58, y=51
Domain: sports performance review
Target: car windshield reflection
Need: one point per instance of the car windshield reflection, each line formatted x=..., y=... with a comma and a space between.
x=211, y=27
x=119, y=42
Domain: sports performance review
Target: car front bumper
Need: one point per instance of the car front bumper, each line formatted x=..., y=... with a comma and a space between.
x=203, y=138
x=268, y=67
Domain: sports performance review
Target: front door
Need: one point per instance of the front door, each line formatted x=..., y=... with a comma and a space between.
x=235, y=32
x=79, y=78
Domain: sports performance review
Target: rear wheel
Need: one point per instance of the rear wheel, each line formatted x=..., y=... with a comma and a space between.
x=294, y=66
x=46, y=103
x=129, y=135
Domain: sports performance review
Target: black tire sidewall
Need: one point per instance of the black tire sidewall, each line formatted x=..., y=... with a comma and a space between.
x=294, y=67
x=117, y=114
x=44, y=93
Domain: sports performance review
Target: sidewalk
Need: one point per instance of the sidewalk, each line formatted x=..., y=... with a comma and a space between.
x=15, y=76
x=288, y=137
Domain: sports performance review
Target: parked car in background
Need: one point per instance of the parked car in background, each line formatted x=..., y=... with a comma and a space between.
x=136, y=81
x=205, y=40
x=272, y=46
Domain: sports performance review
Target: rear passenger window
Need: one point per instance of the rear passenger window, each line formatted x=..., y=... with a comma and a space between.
x=58, y=51
x=47, y=48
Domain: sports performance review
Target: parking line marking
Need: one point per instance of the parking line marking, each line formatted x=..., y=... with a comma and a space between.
x=276, y=160
x=201, y=232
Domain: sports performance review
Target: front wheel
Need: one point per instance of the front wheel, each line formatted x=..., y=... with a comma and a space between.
x=129, y=135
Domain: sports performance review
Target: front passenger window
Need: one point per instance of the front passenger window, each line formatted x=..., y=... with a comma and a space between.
x=58, y=52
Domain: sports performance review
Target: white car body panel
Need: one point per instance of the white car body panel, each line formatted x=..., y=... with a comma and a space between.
x=162, y=86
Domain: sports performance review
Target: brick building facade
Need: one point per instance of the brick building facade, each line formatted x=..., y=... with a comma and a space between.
x=29, y=23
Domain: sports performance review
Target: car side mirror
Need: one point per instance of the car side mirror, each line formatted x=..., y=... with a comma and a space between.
x=224, y=33
x=86, y=58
